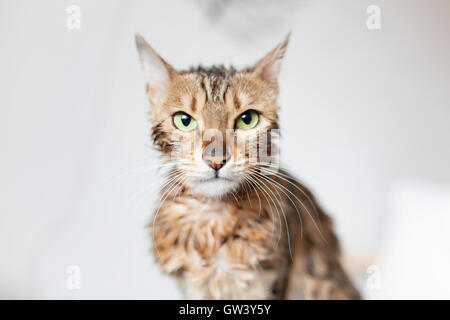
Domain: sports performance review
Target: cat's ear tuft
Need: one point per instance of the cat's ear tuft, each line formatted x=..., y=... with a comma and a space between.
x=268, y=68
x=158, y=73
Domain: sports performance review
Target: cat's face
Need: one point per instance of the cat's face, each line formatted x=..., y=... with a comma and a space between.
x=214, y=125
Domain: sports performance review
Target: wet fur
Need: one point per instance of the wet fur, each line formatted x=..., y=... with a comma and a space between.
x=266, y=238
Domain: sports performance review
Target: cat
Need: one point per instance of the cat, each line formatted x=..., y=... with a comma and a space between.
x=232, y=225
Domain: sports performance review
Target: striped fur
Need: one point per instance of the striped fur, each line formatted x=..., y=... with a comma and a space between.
x=255, y=233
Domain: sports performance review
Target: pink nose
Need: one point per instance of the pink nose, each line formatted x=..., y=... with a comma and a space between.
x=215, y=162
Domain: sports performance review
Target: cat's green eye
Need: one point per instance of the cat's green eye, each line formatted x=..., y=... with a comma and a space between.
x=248, y=120
x=184, y=122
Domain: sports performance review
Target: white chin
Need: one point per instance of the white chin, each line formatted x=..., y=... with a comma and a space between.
x=215, y=187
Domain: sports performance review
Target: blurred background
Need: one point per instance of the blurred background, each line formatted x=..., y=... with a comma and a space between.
x=365, y=122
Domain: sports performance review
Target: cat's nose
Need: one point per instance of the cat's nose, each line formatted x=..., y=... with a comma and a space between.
x=216, y=162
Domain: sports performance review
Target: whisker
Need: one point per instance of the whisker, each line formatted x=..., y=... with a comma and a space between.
x=148, y=186
x=145, y=191
x=247, y=192
x=276, y=208
x=290, y=199
x=303, y=205
x=283, y=214
x=165, y=194
x=276, y=173
x=258, y=187
x=256, y=191
x=146, y=167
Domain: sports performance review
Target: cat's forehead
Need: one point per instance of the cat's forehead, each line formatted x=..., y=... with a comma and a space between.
x=215, y=81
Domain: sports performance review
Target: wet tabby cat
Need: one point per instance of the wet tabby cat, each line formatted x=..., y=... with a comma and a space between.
x=230, y=224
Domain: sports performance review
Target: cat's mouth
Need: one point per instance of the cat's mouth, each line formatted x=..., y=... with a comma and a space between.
x=215, y=178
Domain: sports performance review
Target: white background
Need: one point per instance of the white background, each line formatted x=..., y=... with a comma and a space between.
x=365, y=123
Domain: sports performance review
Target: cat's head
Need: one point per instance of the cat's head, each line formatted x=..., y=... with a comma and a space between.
x=214, y=124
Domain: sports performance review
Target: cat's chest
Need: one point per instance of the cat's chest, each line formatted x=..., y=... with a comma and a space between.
x=210, y=241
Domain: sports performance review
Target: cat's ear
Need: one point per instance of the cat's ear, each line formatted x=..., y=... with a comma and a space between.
x=158, y=73
x=268, y=68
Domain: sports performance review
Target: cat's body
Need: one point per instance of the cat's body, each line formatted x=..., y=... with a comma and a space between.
x=229, y=225
x=220, y=249
x=237, y=248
